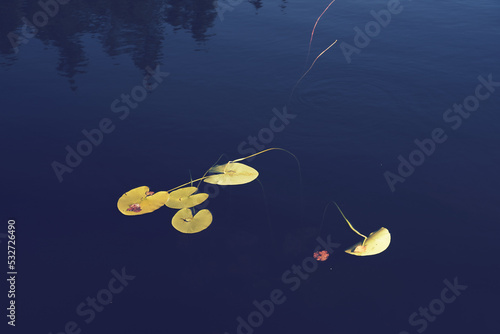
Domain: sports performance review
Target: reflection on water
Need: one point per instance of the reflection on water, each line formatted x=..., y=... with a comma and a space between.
x=135, y=28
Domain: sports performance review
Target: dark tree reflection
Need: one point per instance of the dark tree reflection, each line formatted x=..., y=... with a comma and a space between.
x=256, y=3
x=192, y=15
x=132, y=27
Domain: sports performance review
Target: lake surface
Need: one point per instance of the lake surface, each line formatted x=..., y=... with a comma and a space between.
x=398, y=122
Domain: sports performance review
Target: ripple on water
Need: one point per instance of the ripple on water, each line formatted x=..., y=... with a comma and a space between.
x=360, y=103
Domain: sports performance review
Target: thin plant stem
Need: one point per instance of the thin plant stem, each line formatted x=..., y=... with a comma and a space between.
x=312, y=33
x=185, y=184
x=352, y=228
x=203, y=177
x=302, y=77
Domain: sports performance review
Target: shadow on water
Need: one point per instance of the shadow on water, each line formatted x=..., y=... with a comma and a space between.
x=122, y=27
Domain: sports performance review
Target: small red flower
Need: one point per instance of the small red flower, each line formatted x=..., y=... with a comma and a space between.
x=135, y=208
x=321, y=255
x=360, y=249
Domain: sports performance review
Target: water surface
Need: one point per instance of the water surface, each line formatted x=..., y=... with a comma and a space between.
x=352, y=118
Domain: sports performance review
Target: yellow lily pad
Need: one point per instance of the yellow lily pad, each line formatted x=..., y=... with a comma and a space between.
x=376, y=243
x=183, y=221
x=184, y=198
x=232, y=173
x=140, y=200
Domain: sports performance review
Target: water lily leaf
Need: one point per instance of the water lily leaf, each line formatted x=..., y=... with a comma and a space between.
x=183, y=221
x=140, y=200
x=376, y=243
x=184, y=198
x=232, y=173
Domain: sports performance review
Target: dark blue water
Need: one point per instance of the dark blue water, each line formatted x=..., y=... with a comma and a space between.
x=353, y=123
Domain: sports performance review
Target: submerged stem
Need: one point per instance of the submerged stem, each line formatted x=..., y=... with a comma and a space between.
x=298, y=164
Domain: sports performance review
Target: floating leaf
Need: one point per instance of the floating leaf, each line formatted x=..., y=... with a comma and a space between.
x=376, y=243
x=232, y=173
x=183, y=221
x=140, y=200
x=184, y=198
